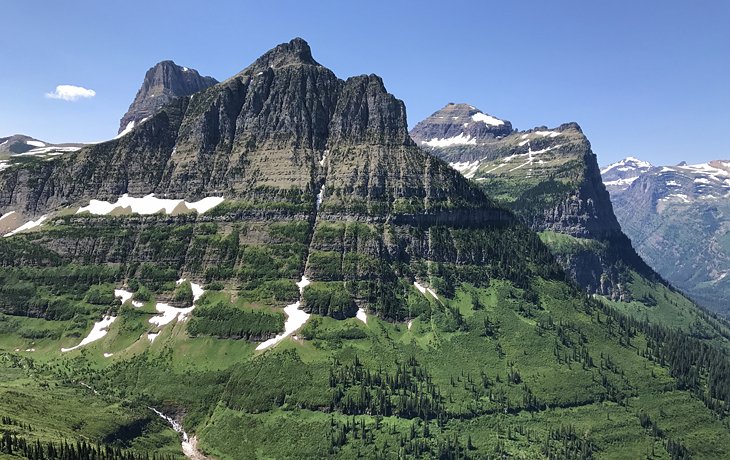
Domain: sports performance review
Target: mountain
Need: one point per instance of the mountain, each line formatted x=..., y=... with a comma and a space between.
x=19, y=149
x=275, y=269
x=550, y=178
x=618, y=176
x=22, y=145
x=162, y=83
x=677, y=216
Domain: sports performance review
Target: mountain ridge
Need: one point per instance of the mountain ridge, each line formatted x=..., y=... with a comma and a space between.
x=677, y=217
x=551, y=179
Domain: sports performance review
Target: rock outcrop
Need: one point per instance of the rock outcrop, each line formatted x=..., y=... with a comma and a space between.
x=162, y=83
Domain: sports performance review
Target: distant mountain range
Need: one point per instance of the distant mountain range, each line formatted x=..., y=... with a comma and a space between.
x=678, y=218
x=20, y=148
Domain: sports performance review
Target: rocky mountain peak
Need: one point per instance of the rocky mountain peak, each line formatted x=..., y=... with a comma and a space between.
x=162, y=83
x=295, y=52
x=459, y=124
x=620, y=175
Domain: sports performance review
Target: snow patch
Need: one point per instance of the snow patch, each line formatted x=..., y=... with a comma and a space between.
x=126, y=295
x=35, y=143
x=152, y=336
x=149, y=204
x=487, y=119
x=7, y=214
x=51, y=151
x=466, y=168
x=551, y=134
x=627, y=181
x=431, y=291
x=420, y=288
x=461, y=139
x=320, y=197
x=295, y=318
x=677, y=197
x=28, y=225
x=98, y=331
x=410, y=324
x=108, y=355
x=361, y=315
x=127, y=129
x=169, y=313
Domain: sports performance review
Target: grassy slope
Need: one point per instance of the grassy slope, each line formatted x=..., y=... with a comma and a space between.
x=196, y=373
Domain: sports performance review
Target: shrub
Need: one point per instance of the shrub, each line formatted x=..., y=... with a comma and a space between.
x=100, y=294
x=184, y=293
x=143, y=294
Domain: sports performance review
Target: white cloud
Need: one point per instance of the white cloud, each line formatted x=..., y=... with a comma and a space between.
x=71, y=93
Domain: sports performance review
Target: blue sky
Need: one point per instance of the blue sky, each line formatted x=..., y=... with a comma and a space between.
x=643, y=78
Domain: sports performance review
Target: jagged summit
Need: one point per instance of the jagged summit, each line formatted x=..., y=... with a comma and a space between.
x=162, y=83
x=295, y=52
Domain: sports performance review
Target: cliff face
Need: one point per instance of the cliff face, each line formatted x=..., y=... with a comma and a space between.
x=162, y=83
x=285, y=142
x=551, y=179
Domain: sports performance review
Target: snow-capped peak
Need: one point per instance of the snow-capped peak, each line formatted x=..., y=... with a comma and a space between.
x=628, y=163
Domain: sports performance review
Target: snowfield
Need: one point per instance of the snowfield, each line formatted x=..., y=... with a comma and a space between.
x=361, y=315
x=98, y=331
x=626, y=181
x=126, y=295
x=149, y=204
x=27, y=225
x=461, y=139
x=127, y=129
x=487, y=119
